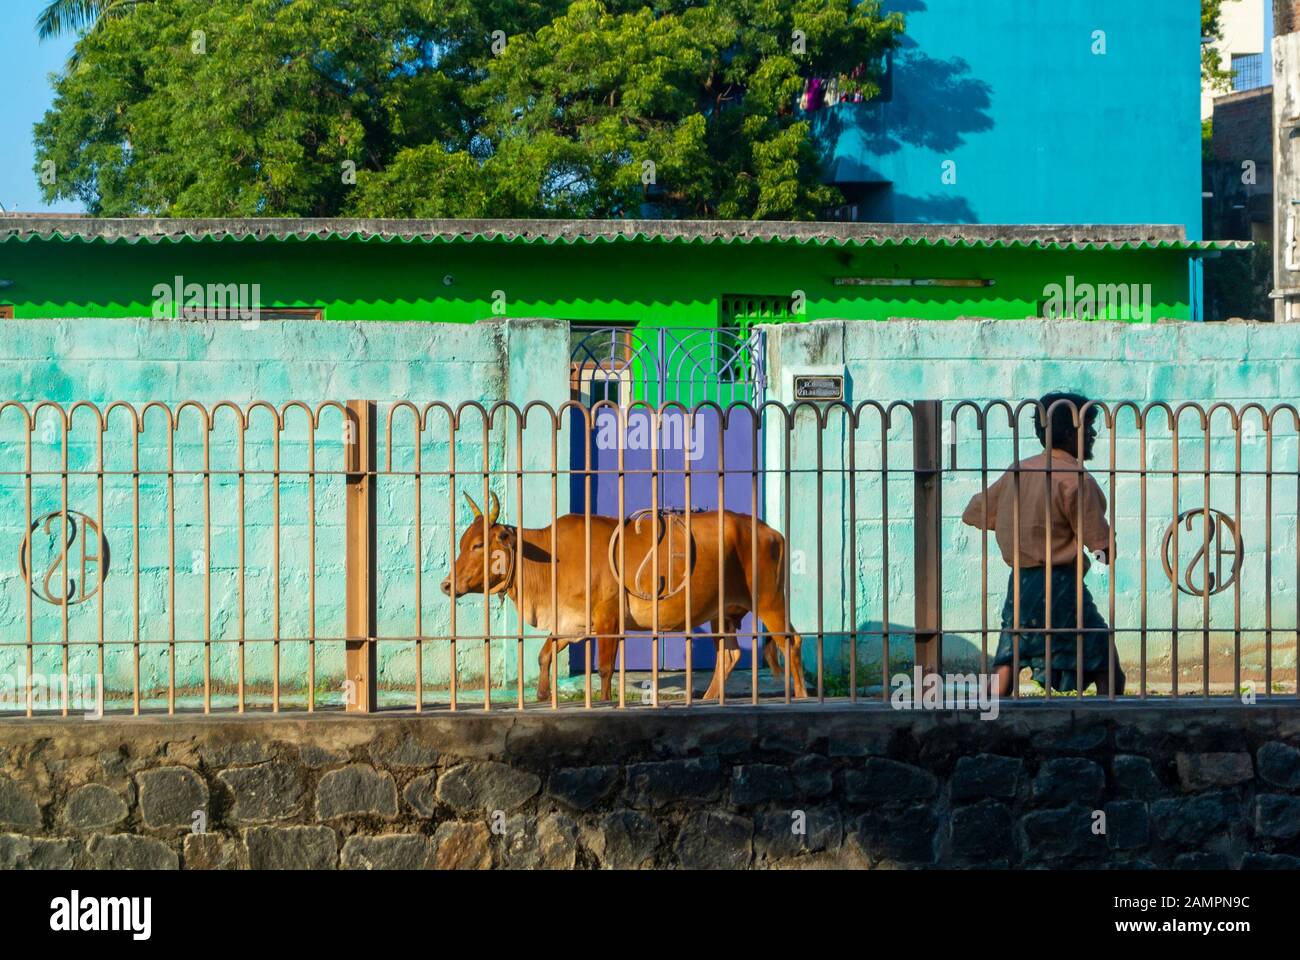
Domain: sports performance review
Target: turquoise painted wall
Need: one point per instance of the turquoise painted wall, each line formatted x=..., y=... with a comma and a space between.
x=102, y=360
x=1041, y=128
x=982, y=361
x=137, y=361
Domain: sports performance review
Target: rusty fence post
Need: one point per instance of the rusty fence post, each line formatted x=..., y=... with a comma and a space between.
x=360, y=689
x=927, y=464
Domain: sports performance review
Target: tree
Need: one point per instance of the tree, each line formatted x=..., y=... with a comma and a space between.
x=72, y=16
x=1212, y=72
x=266, y=107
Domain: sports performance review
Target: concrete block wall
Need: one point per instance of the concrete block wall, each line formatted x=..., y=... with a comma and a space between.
x=859, y=587
x=980, y=361
x=104, y=361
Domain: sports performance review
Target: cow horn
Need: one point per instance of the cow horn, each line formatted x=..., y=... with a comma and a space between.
x=494, y=508
x=473, y=506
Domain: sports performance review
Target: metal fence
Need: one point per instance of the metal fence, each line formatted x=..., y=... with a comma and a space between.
x=346, y=555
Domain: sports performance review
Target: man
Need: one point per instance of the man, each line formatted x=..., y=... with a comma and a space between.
x=1054, y=501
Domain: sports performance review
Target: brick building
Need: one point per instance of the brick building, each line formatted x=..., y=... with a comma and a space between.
x=1239, y=170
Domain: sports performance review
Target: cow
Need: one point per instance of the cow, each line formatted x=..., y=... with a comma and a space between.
x=524, y=575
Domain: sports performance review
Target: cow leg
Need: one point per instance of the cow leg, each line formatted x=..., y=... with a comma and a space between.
x=728, y=657
x=607, y=656
x=773, y=617
x=550, y=649
x=771, y=659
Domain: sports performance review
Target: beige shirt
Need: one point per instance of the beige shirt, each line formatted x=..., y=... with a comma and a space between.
x=1063, y=507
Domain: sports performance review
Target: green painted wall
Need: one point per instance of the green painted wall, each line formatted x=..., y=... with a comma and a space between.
x=642, y=282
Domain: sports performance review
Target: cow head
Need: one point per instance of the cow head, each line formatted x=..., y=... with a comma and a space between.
x=484, y=538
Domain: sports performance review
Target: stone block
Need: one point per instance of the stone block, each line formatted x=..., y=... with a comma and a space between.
x=33, y=853
x=659, y=784
x=267, y=792
x=888, y=781
x=394, y=851
x=625, y=840
x=93, y=807
x=1068, y=780
x=458, y=845
x=291, y=848
x=1135, y=777
x=582, y=787
x=1128, y=826
x=1279, y=765
x=357, y=790
x=758, y=783
x=1062, y=834
x=1277, y=816
x=1193, y=820
x=124, y=851
x=486, y=786
x=1200, y=771
x=788, y=833
x=714, y=840
x=986, y=775
x=983, y=831
x=171, y=797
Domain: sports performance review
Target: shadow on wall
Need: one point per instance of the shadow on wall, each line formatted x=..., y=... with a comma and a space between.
x=935, y=105
x=933, y=208
x=960, y=653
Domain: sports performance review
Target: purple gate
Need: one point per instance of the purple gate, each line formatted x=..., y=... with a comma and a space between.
x=718, y=365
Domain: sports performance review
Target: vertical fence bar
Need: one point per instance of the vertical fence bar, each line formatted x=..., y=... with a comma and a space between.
x=171, y=565
x=361, y=657
x=927, y=453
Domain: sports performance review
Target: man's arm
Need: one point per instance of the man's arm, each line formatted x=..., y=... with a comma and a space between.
x=974, y=513
x=1095, y=532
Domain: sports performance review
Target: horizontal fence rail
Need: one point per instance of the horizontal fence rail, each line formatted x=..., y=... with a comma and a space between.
x=353, y=555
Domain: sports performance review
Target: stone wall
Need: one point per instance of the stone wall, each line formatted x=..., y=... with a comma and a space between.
x=1179, y=786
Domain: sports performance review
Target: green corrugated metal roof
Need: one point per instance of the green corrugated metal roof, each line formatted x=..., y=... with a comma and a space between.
x=956, y=236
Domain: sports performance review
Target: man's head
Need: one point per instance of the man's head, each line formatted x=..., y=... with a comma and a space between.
x=1063, y=409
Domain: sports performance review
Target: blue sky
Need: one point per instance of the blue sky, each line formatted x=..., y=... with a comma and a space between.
x=26, y=97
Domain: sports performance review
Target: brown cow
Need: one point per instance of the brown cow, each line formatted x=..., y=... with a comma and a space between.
x=526, y=580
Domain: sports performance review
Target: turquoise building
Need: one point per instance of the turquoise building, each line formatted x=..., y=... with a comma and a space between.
x=1073, y=111
x=1021, y=112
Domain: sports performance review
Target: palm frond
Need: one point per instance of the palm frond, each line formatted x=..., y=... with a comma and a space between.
x=75, y=16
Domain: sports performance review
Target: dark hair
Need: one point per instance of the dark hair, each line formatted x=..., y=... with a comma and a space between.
x=1065, y=431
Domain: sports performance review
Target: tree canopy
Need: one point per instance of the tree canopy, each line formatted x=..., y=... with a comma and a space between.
x=451, y=108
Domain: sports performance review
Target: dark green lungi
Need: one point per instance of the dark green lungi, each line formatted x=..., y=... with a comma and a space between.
x=1096, y=632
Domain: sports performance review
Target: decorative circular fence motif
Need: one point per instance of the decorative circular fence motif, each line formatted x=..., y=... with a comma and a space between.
x=1215, y=523
x=675, y=525
x=76, y=587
